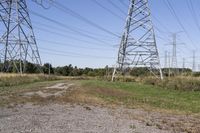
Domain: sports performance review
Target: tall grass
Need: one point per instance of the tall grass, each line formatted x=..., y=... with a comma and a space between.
x=185, y=83
x=17, y=79
x=133, y=94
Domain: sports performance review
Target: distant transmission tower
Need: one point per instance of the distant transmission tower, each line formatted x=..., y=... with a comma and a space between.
x=165, y=66
x=194, y=61
x=183, y=67
x=17, y=39
x=138, y=44
x=174, y=54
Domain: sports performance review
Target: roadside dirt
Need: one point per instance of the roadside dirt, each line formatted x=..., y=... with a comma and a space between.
x=55, y=90
x=56, y=118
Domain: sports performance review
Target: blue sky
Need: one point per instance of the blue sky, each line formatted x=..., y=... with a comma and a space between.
x=72, y=48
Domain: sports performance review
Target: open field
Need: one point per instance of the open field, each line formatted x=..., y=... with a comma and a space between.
x=143, y=108
x=147, y=96
x=185, y=83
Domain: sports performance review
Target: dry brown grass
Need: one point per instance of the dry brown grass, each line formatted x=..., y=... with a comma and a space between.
x=18, y=79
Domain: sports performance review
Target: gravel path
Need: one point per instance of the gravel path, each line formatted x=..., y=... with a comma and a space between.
x=56, y=118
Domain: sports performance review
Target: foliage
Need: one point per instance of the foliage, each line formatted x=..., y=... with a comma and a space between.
x=48, y=69
x=75, y=71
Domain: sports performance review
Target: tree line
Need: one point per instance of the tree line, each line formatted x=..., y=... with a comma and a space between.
x=70, y=70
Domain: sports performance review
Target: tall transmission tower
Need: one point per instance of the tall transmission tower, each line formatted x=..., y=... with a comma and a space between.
x=17, y=38
x=138, y=44
x=174, y=63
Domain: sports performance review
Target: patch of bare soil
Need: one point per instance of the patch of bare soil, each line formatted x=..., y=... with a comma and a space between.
x=56, y=118
x=165, y=121
x=55, y=90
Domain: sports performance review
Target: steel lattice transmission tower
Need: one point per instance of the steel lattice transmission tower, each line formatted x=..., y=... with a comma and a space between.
x=138, y=44
x=17, y=39
x=174, y=55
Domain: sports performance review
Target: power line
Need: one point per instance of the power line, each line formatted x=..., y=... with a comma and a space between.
x=79, y=29
x=194, y=63
x=75, y=54
x=193, y=13
x=67, y=27
x=168, y=31
x=162, y=38
x=72, y=45
x=117, y=7
x=78, y=16
x=41, y=3
x=107, y=9
x=122, y=2
x=71, y=37
x=68, y=55
x=171, y=9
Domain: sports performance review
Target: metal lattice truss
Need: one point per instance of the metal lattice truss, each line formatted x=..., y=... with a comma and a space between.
x=138, y=44
x=17, y=40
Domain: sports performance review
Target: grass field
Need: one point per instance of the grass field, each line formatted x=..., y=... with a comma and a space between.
x=152, y=105
x=129, y=94
x=134, y=95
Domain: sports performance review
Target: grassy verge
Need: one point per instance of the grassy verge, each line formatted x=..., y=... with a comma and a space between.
x=17, y=79
x=184, y=83
x=130, y=94
x=11, y=95
x=13, y=85
x=176, y=83
x=147, y=96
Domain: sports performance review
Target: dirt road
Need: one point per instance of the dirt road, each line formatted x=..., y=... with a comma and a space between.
x=56, y=118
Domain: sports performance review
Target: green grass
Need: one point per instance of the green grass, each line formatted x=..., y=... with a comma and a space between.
x=136, y=94
x=130, y=94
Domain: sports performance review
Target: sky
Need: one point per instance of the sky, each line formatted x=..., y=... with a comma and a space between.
x=60, y=45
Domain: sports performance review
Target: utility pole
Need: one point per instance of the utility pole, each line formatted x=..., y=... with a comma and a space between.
x=49, y=69
x=169, y=65
x=194, y=62
x=165, y=59
x=138, y=46
x=17, y=36
x=183, y=63
x=107, y=71
x=183, y=67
